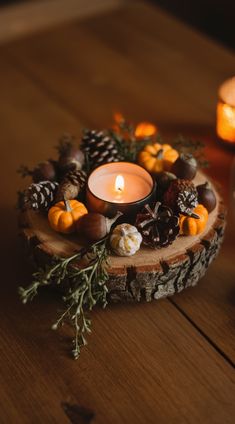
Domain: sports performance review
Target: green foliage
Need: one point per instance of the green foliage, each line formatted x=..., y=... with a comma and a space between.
x=126, y=142
x=85, y=287
x=24, y=171
x=195, y=147
x=129, y=146
x=128, y=149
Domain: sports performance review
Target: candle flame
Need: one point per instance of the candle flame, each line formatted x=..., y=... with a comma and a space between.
x=119, y=183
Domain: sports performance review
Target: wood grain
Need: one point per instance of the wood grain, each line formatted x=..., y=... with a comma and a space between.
x=170, y=363
x=28, y=17
x=185, y=96
x=138, y=365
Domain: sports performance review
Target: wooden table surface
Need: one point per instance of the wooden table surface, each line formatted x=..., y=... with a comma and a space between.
x=170, y=361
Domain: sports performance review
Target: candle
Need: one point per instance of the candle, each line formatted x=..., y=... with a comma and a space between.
x=119, y=186
x=226, y=112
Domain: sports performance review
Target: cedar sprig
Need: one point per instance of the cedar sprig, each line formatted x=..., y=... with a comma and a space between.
x=86, y=287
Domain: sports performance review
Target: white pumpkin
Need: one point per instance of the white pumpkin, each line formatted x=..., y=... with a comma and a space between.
x=125, y=240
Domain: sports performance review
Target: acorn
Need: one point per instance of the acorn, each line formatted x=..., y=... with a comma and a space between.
x=163, y=180
x=71, y=158
x=96, y=226
x=44, y=171
x=185, y=167
x=206, y=196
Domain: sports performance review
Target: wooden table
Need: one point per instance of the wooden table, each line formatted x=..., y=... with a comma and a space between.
x=170, y=361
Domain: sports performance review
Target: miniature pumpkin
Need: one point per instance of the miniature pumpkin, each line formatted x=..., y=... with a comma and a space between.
x=192, y=226
x=125, y=240
x=157, y=157
x=64, y=215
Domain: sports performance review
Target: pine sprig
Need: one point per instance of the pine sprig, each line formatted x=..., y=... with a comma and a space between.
x=86, y=288
x=24, y=171
x=195, y=147
x=127, y=144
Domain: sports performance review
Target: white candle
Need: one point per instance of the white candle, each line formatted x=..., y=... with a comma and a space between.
x=120, y=182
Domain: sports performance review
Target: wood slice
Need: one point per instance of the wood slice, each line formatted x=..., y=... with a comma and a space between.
x=149, y=273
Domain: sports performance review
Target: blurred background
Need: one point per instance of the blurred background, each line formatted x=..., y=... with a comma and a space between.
x=213, y=17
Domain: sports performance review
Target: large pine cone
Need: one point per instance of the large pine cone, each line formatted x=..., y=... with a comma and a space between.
x=99, y=148
x=71, y=185
x=158, y=226
x=39, y=196
x=181, y=197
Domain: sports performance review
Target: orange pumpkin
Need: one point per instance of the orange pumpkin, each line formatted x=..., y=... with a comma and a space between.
x=157, y=157
x=64, y=215
x=145, y=130
x=192, y=226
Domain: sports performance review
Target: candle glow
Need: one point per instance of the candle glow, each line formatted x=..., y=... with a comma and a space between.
x=226, y=111
x=119, y=184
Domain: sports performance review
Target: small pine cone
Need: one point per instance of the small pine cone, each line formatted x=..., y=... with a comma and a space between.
x=39, y=196
x=158, y=225
x=181, y=197
x=72, y=184
x=99, y=148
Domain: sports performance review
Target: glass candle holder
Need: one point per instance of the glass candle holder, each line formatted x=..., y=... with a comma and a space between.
x=226, y=112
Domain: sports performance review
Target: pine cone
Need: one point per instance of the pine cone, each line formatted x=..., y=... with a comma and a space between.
x=181, y=197
x=158, y=226
x=99, y=148
x=71, y=185
x=39, y=196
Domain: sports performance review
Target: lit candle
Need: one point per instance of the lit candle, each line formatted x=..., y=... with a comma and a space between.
x=119, y=186
x=226, y=112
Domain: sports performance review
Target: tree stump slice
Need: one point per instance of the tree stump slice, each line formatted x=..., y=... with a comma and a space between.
x=149, y=274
